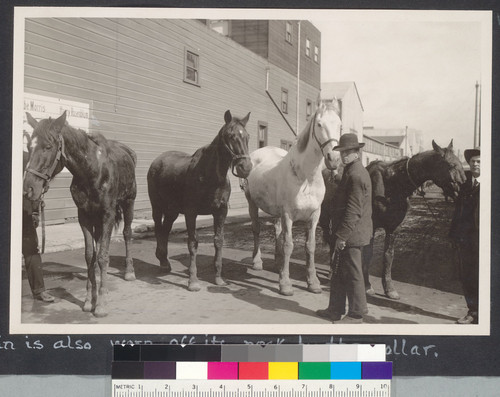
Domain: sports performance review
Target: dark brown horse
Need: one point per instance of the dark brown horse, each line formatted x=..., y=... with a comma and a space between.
x=198, y=184
x=103, y=188
x=393, y=183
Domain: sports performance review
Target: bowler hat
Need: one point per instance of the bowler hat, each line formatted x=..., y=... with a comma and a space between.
x=348, y=141
x=469, y=153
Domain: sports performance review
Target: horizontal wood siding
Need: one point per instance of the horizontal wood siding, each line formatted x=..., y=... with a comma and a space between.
x=310, y=71
x=130, y=71
x=252, y=34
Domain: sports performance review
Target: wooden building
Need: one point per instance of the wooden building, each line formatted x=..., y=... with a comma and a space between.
x=161, y=84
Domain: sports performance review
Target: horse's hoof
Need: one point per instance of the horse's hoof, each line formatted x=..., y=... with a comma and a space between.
x=392, y=295
x=370, y=291
x=287, y=291
x=165, y=266
x=194, y=287
x=130, y=276
x=315, y=289
x=257, y=266
x=100, y=312
x=87, y=307
x=220, y=281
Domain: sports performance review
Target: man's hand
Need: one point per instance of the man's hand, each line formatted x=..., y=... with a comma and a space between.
x=339, y=244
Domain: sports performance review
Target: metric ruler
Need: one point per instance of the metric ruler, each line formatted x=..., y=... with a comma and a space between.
x=251, y=388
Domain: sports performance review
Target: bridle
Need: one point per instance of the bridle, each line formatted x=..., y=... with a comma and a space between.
x=234, y=157
x=321, y=145
x=47, y=176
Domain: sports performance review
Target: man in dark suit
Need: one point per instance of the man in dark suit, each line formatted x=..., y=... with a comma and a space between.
x=352, y=230
x=464, y=232
x=31, y=255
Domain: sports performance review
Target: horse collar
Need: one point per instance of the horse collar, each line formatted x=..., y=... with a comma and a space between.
x=60, y=153
x=408, y=173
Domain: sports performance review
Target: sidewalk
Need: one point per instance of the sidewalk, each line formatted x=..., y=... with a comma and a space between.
x=69, y=236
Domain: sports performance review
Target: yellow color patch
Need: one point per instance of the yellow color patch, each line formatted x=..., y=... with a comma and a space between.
x=283, y=370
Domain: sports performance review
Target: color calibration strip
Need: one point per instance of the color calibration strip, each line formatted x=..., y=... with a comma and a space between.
x=251, y=362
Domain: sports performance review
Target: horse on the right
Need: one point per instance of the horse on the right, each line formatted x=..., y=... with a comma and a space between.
x=392, y=185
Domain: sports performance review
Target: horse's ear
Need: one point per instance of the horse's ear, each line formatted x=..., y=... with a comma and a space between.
x=58, y=123
x=31, y=120
x=228, y=117
x=244, y=121
x=437, y=148
x=450, y=146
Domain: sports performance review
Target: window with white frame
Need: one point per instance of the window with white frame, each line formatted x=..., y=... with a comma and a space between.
x=316, y=54
x=309, y=107
x=191, y=67
x=308, y=48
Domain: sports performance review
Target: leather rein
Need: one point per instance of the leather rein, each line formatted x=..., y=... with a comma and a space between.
x=234, y=157
x=321, y=145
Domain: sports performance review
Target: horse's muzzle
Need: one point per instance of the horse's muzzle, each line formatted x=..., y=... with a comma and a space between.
x=331, y=161
x=242, y=167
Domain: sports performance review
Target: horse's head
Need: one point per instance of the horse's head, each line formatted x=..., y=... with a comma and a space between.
x=46, y=149
x=325, y=127
x=234, y=138
x=448, y=172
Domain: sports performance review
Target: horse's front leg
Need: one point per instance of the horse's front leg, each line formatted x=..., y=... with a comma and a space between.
x=253, y=210
x=103, y=262
x=194, y=283
x=389, y=289
x=128, y=216
x=285, y=283
x=90, y=258
x=278, y=245
x=313, y=284
x=219, y=219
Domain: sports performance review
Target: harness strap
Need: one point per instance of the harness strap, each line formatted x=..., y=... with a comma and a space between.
x=42, y=216
x=60, y=153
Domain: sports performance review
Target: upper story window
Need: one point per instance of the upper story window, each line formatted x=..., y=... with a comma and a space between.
x=219, y=25
x=191, y=67
x=309, y=109
x=316, y=54
x=308, y=48
x=289, y=31
x=284, y=100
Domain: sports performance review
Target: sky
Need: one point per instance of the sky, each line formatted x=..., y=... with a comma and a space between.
x=420, y=74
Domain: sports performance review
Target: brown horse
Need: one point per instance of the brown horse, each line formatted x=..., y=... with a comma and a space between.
x=103, y=187
x=393, y=183
x=179, y=183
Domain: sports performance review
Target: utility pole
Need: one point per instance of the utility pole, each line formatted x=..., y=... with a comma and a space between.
x=298, y=81
x=406, y=141
x=477, y=117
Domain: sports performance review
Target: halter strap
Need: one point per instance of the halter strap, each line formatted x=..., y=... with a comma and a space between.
x=321, y=145
x=49, y=174
x=234, y=156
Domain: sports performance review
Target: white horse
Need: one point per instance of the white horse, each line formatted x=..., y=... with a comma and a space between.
x=290, y=187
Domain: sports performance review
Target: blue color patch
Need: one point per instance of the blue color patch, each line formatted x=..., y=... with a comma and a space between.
x=345, y=370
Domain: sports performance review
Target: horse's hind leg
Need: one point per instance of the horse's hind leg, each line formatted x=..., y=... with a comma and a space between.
x=128, y=216
x=278, y=244
x=313, y=284
x=389, y=289
x=219, y=219
x=254, y=216
x=163, y=226
x=194, y=283
x=90, y=258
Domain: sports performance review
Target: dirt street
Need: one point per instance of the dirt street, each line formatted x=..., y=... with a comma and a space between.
x=424, y=274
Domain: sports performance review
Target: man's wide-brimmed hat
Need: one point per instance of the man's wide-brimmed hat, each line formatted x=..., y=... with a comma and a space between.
x=469, y=153
x=348, y=141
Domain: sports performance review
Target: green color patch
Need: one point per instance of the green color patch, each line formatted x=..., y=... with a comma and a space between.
x=314, y=370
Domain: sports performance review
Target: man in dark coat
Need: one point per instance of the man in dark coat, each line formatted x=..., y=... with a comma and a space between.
x=31, y=255
x=352, y=230
x=464, y=232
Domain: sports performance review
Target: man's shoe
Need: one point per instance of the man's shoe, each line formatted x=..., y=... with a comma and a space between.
x=44, y=297
x=469, y=318
x=370, y=291
x=349, y=320
x=328, y=314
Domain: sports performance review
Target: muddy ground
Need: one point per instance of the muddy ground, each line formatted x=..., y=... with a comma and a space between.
x=424, y=273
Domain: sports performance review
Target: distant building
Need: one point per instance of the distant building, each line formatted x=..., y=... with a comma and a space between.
x=409, y=140
x=351, y=107
x=376, y=149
